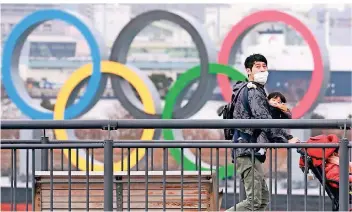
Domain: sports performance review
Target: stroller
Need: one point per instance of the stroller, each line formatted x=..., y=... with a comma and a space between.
x=315, y=162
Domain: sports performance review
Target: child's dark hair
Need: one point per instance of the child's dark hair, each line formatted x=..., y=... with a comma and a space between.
x=277, y=94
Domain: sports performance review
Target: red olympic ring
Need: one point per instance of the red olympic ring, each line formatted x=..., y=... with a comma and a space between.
x=275, y=16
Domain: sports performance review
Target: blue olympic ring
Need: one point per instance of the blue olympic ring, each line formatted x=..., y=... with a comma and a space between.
x=28, y=24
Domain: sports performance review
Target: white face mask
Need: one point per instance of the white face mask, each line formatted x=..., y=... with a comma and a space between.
x=261, y=77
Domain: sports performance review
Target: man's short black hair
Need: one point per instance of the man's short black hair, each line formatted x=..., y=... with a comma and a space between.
x=254, y=58
x=277, y=94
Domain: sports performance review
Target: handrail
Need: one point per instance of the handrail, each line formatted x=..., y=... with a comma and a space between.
x=177, y=124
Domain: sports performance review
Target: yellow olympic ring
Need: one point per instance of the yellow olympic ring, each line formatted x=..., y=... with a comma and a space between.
x=110, y=68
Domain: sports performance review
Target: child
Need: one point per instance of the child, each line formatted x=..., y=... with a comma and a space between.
x=278, y=108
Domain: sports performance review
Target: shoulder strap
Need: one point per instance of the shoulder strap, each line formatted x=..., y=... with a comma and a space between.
x=245, y=101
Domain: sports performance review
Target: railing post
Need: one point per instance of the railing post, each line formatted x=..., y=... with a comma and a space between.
x=108, y=175
x=344, y=167
x=242, y=194
x=45, y=157
x=289, y=179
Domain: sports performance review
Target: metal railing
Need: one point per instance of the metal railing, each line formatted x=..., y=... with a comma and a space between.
x=47, y=148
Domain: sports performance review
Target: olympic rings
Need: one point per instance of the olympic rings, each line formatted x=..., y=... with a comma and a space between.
x=151, y=106
x=182, y=82
x=321, y=72
x=12, y=51
x=76, y=78
x=206, y=50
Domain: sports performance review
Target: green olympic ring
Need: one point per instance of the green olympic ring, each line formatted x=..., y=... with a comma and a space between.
x=182, y=82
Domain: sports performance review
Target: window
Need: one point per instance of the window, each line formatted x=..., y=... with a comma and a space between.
x=293, y=38
x=47, y=28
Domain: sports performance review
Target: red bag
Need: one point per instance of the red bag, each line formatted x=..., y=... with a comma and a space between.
x=332, y=171
x=317, y=153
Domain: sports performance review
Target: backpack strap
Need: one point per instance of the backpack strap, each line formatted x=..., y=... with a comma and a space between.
x=246, y=102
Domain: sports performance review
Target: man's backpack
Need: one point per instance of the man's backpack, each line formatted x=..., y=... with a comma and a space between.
x=228, y=109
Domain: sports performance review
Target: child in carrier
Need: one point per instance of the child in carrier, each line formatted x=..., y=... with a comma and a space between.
x=278, y=108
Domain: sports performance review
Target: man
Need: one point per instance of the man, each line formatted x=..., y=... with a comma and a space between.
x=254, y=105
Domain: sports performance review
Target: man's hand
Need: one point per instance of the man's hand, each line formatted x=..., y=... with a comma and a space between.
x=294, y=140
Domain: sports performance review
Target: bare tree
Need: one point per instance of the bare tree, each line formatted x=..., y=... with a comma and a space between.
x=116, y=112
x=8, y=111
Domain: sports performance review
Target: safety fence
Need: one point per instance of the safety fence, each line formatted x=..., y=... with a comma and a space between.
x=198, y=182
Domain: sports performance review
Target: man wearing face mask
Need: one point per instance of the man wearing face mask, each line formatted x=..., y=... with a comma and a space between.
x=250, y=102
